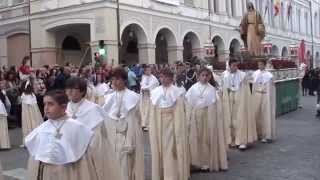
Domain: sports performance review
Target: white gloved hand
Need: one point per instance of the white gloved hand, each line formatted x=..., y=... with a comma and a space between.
x=318, y=106
x=127, y=149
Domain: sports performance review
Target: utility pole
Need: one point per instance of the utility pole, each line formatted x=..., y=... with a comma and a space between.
x=312, y=40
x=29, y=22
x=118, y=30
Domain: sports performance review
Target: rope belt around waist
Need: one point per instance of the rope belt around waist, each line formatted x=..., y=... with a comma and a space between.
x=167, y=111
x=261, y=92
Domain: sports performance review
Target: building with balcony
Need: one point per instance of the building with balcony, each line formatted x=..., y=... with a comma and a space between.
x=151, y=31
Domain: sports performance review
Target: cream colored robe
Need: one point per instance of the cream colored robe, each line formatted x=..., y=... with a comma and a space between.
x=231, y=103
x=98, y=163
x=145, y=102
x=126, y=133
x=94, y=117
x=128, y=145
x=31, y=115
x=4, y=133
x=265, y=110
x=246, y=125
x=169, y=143
x=207, y=137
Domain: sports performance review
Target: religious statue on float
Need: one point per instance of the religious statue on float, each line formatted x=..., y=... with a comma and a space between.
x=252, y=30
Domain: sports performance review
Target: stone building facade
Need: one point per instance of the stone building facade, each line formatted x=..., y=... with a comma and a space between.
x=151, y=31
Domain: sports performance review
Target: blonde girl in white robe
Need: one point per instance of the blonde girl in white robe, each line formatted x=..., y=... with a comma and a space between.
x=168, y=131
x=264, y=103
x=31, y=115
x=123, y=118
x=94, y=118
x=148, y=83
x=207, y=145
x=58, y=148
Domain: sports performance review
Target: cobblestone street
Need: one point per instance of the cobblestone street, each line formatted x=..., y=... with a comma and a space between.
x=294, y=156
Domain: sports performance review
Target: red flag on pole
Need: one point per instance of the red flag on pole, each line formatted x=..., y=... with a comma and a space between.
x=302, y=51
x=277, y=7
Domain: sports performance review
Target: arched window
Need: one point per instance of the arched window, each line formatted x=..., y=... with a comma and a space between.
x=306, y=22
x=3, y=3
x=299, y=20
x=71, y=43
x=282, y=21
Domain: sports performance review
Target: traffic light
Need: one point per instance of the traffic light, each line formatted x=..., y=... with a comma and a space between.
x=102, y=51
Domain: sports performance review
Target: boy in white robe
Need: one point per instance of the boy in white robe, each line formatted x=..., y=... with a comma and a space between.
x=236, y=97
x=148, y=83
x=93, y=117
x=123, y=116
x=207, y=145
x=168, y=131
x=264, y=103
x=58, y=147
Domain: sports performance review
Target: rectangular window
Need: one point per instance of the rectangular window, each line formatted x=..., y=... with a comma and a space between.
x=171, y=2
x=3, y=3
x=299, y=20
x=215, y=6
x=233, y=8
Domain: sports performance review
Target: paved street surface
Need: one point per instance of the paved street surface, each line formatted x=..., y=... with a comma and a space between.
x=294, y=156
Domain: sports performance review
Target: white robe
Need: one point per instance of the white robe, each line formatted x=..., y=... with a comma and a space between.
x=95, y=118
x=125, y=131
x=86, y=112
x=4, y=131
x=31, y=115
x=206, y=131
x=100, y=91
x=231, y=86
x=264, y=96
x=246, y=125
x=148, y=83
x=168, y=135
x=63, y=158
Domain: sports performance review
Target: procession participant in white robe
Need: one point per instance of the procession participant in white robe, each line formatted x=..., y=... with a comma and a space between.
x=148, y=83
x=101, y=89
x=79, y=108
x=58, y=148
x=240, y=126
x=4, y=131
x=264, y=103
x=93, y=117
x=31, y=115
x=207, y=145
x=168, y=131
x=122, y=108
x=4, y=109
